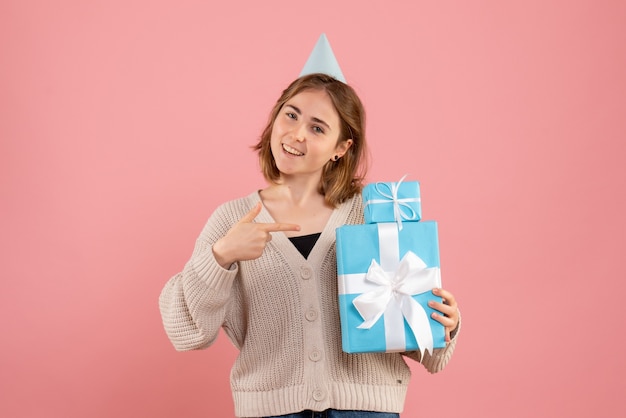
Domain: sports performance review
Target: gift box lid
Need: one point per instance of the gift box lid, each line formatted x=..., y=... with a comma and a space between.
x=392, y=202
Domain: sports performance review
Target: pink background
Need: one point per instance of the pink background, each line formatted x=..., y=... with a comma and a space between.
x=124, y=123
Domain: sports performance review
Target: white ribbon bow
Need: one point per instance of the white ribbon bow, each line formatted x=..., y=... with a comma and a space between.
x=398, y=204
x=394, y=292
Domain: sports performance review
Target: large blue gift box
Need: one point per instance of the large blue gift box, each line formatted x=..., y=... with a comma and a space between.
x=392, y=202
x=386, y=276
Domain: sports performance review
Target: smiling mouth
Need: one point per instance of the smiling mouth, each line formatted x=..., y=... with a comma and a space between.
x=292, y=151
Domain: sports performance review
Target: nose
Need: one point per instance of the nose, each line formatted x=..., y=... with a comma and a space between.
x=299, y=132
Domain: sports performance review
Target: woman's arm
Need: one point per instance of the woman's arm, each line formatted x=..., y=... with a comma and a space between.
x=195, y=301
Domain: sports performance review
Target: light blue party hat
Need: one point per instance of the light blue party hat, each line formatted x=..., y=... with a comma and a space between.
x=322, y=60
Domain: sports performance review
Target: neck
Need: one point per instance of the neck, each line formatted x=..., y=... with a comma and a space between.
x=299, y=191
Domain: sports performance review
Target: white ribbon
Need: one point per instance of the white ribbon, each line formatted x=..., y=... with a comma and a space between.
x=398, y=204
x=392, y=297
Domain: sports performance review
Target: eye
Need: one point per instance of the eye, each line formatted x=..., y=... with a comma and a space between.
x=292, y=115
x=317, y=129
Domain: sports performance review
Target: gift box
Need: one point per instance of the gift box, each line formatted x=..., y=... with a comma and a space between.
x=392, y=202
x=386, y=276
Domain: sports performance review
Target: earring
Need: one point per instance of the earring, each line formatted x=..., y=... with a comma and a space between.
x=335, y=158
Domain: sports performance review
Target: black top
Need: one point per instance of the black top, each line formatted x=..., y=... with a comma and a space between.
x=305, y=243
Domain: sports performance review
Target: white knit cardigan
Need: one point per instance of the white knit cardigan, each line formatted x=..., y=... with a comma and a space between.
x=281, y=312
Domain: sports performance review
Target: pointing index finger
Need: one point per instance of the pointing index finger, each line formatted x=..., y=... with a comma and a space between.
x=275, y=227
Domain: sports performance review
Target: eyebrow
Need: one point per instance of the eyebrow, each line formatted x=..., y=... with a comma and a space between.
x=317, y=120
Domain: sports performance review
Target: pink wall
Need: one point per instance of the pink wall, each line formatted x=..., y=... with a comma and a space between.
x=124, y=123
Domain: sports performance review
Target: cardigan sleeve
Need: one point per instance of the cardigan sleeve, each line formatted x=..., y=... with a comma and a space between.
x=194, y=302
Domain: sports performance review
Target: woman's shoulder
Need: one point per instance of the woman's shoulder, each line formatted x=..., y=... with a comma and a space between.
x=353, y=207
x=225, y=215
x=236, y=208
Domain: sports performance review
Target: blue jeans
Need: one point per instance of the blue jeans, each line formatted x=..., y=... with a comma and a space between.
x=334, y=413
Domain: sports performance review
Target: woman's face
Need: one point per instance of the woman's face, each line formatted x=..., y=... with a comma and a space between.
x=305, y=133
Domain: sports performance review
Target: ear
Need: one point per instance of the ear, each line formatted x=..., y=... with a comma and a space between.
x=343, y=147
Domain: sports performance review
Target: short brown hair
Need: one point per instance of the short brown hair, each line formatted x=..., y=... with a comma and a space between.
x=341, y=179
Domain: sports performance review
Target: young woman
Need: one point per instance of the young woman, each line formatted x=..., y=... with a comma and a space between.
x=264, y=270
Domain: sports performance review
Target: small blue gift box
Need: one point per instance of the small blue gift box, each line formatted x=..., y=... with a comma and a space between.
x=386, y=276
x=392, y=202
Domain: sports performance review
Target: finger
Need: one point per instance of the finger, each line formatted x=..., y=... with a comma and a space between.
x=253, y=213
x=446, y=317
x=448, y=298
x=279, y=227
x=447, y=322
x=442, y=307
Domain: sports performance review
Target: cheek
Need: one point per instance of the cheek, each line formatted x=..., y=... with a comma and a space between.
x=275, y=134
x=278, y=131
x=323, y=152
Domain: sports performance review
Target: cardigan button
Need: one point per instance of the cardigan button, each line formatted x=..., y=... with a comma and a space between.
x=318, y=395
x=315, y=355
x=306, y=272
x=311, y=315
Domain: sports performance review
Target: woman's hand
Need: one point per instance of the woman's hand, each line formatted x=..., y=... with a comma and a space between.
x=246, y=240
x=448, y=314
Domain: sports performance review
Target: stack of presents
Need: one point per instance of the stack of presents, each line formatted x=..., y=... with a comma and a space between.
x=387, y=269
